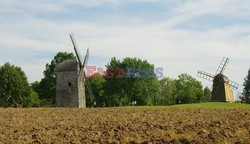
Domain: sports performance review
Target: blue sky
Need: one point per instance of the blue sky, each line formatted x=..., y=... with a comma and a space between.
x=180, y=36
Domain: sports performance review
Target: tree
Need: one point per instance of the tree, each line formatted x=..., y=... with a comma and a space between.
x=36, y=87
x=188, y=89
x=206, y=95
x=34, y=100
x=246, y=90
x=130, y=80
x=97, y=83
x=167, y=91
x=46, y=88
x=14, y=88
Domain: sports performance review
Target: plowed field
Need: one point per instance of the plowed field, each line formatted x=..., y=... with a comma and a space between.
x=124, y=125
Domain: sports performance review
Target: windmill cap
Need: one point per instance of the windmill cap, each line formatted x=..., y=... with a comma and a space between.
x=67, y=65
x=221, y=77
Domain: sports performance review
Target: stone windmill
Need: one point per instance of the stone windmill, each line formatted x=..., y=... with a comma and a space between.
x=71, y=81
x=222, y=86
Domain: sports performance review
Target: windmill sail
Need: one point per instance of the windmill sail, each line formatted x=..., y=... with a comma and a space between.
x=233, y=85
x=205, y=75
x=76, y=50
x=222, y=65
x=87, y=84
x=89, y=89
x=86, y=58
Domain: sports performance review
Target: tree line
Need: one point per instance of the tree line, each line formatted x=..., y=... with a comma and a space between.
x=15, y=91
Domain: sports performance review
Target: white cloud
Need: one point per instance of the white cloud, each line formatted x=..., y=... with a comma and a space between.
x=59, y=5
x=94, y=3
x=190, y=9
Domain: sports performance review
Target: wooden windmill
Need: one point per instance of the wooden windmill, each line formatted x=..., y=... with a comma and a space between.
x=71, y=81
x=222, y=86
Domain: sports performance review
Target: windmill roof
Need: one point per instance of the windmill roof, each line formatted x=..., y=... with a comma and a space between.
x=222, y=77
x=67, y=65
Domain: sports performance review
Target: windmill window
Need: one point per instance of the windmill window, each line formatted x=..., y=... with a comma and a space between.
x=69, y=84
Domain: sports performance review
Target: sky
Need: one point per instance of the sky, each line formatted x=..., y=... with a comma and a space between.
x=181, y=36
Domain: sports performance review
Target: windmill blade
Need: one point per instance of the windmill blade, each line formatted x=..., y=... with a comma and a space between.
x=76, y=49
x=205, y=75
x=233, y=85
x=222, y=65
x=86, y=58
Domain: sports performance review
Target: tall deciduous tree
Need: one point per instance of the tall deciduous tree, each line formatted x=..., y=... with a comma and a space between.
x=188, y=89
x=167, y=91
x=246, y=90
x=97, y=83
x=132, y=80
x=14, y=87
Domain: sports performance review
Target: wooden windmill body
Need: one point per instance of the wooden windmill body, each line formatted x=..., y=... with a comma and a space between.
x=71, y=81
x=222, y=86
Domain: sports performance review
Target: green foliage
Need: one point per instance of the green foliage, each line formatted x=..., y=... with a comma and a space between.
x=36, y=87
x=97, y=85
x=188, y=89
x=167, y=91
x=48, y=93
x=206, y=95
x=14, y=87
x=33, y=100
x=60, y=57
x=46, y=88
x=246, y=90
x=207, y=105
x=122, y=91
x=213, y=105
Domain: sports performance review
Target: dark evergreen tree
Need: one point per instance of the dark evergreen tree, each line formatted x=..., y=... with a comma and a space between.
x=206, y=95
x=246, y=90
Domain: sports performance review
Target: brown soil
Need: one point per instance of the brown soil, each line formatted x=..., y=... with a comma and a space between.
x=124, y=125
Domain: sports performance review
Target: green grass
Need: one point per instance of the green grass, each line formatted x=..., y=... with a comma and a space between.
x=209, y=105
